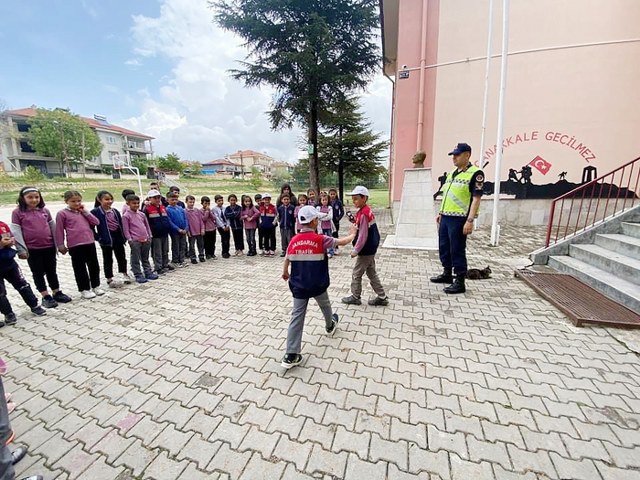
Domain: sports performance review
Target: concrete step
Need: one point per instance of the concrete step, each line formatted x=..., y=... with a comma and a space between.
x=622, y=291
x=619, y=243
x=620, y=265
x=631, y=229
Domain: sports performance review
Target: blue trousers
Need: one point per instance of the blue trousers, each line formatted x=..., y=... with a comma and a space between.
x=452, y=244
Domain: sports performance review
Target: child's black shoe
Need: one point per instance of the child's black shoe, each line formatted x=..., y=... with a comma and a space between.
x=334, y=325
x=61, y=297
x=10, y=319
x=49, y=302
x=194, y=261
x=38, y=310
x=290, y=360
x=202, y=259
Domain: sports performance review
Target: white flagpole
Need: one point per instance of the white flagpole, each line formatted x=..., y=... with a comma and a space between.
x=495, y=228
x=486, y=85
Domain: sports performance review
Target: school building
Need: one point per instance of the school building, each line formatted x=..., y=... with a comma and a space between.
x=572, y=92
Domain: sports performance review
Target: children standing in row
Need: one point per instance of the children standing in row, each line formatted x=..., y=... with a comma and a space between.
x=233, y=214
x=34, y=231
x=195, y=220
x=75, y=223
x=250, y=216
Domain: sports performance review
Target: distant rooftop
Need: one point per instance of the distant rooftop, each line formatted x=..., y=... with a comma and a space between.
x=96, y=122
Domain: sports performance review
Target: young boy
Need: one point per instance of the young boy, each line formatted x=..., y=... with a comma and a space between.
x=268, y=223
x=258, y=202
x=287, y=221
x=10, y=271
x=155, y=186
x=223, y=225
x=309, y=278
x=176, y=190
x=195, y=219
x=338, y=212
x=138, y=233
x=365, y=248
x=209, y=228
x=160, y=229
x=179, y=229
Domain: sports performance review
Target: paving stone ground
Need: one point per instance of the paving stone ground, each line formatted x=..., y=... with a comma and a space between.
x=181, y=379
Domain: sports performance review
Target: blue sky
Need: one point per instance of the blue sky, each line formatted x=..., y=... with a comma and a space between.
x=156, y=66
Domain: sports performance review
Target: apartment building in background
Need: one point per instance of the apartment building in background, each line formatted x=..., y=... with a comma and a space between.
x=16, y=154
x=242, y=161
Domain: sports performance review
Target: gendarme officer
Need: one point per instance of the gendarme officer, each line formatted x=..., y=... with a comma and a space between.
x=462, y=191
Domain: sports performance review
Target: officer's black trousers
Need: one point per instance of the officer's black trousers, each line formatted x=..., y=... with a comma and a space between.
x=452, y=244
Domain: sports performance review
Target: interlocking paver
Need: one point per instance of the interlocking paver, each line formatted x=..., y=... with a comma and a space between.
x=431, y=387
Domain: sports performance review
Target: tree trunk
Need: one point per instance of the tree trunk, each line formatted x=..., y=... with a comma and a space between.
x=340, y=167
x=314, y=164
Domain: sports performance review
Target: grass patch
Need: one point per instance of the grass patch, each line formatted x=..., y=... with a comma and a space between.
x=53, y=189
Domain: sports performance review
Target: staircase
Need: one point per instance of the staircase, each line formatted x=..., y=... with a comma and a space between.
x=611, y=264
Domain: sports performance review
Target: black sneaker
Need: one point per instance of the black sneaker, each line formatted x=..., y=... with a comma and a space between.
x=194, y=261
x=61, y=297
x=225, y=255
x=38, y=310
x=351, y=300
x=169, y=268
x=334, y=325
x=379, y=301
x=202, y=259
x=290, y=360
x=49, y=302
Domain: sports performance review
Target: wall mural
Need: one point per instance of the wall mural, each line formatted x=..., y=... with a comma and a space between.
x=519, y=181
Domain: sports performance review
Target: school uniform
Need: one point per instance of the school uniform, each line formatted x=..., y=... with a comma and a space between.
x=287, y=222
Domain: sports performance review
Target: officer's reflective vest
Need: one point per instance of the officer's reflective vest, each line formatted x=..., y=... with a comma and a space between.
x=309, y=265
x=457, y=194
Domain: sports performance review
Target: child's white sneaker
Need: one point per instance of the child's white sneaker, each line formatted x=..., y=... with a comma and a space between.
x=98, y=291
x=88, y=294
x=126, y=279
x=113, y=283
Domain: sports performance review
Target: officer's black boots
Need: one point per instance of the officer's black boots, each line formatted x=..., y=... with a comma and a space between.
x=457, y=286
x=444, y=277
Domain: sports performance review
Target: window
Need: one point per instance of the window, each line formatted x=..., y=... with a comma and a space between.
x=25, y=147
x=111, y=139
x=23, y=127
x=111, y=155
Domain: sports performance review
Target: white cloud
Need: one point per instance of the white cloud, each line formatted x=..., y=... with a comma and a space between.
x=133, y=62
x=200, y=112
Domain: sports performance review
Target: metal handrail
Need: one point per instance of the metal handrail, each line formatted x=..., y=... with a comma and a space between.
x=578, y=196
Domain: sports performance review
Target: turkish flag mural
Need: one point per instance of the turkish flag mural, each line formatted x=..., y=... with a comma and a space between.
x=540, y=164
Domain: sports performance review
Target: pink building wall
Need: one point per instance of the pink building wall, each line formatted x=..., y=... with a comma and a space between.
x=589, y=94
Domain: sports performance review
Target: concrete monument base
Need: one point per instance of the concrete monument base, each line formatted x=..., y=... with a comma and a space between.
x=416, y=222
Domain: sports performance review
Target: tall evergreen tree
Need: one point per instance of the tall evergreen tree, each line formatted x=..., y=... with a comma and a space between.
x=312, y=52
x=348, y=145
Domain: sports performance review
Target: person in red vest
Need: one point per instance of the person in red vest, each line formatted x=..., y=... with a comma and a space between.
x=309, y=278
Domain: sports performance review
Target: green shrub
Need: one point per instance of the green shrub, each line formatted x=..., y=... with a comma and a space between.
x=32, y=175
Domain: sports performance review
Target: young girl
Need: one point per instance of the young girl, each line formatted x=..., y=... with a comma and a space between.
x=268, y=224
x=125, y=193
x=110, y=236
x=326, y=218
x=311, y=197
x=338, y=212
x=250, y=216
x=302, y=201
x=34, y=231
x=76, y=223
x=209, y=228
x=195, y=216
x=232, y=214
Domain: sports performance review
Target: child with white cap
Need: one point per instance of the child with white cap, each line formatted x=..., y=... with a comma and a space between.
x=365, y=247
x=309, y=278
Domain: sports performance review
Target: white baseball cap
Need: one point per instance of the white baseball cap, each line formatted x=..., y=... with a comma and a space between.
x=307, y=214
x=360, y=190
x=153, y=193
x=266, y=195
